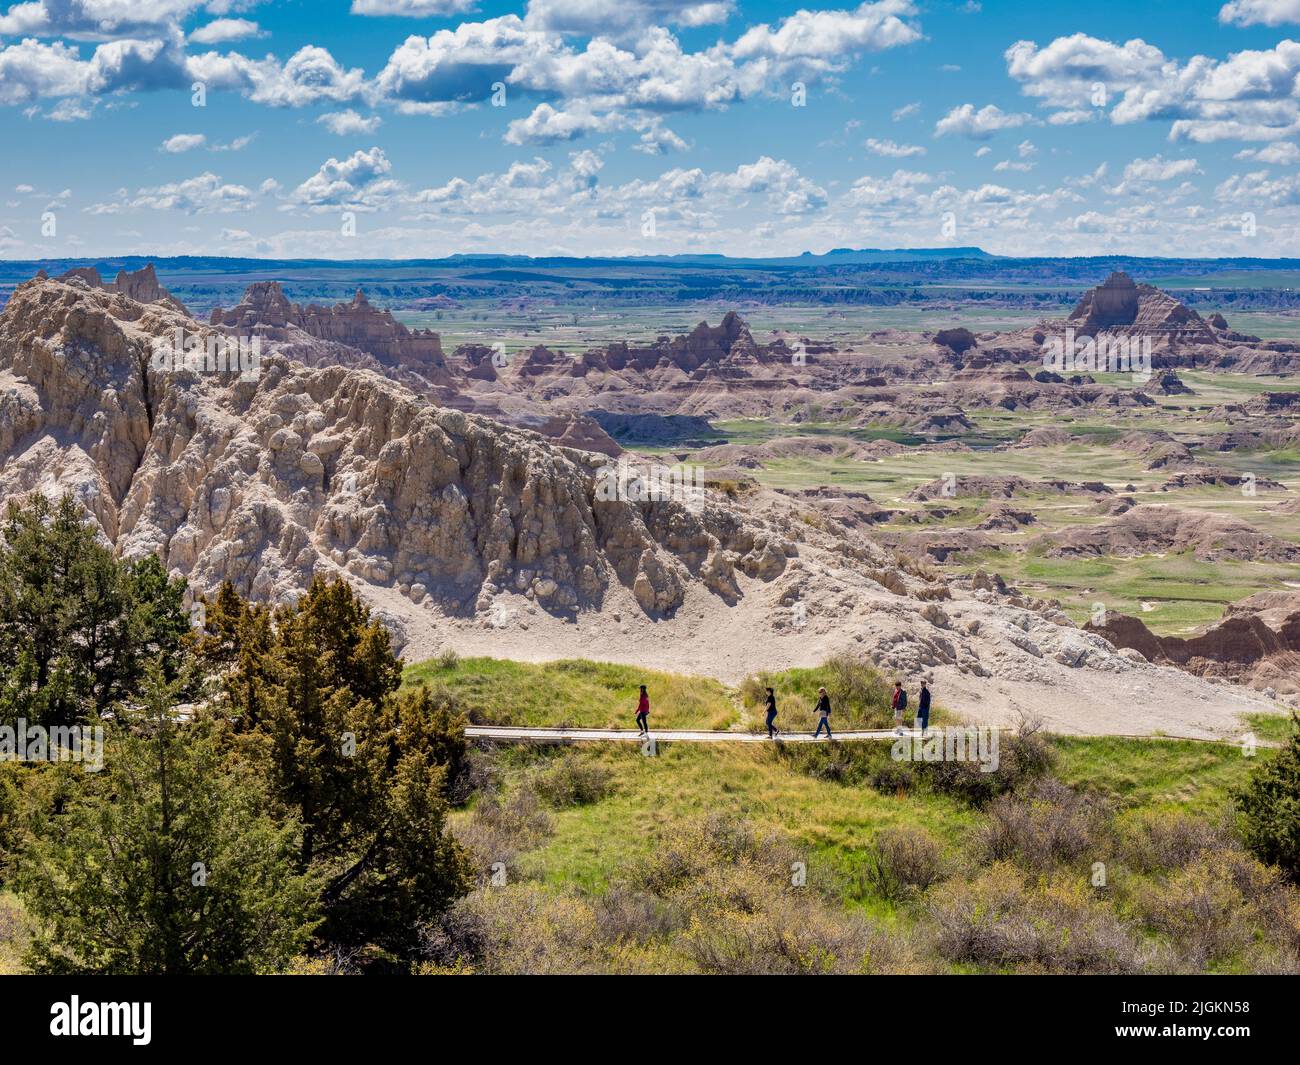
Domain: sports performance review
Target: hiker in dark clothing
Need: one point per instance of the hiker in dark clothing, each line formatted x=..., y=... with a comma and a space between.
x=824, y=714
x=771, y=715
x=643, y=712
x=923, y=709
x=899, y=703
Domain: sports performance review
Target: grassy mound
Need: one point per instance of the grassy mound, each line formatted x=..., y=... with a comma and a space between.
x=575, y=693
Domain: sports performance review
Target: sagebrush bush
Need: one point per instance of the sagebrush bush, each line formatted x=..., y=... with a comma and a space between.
x=1201, y=908
x=1158, y=840
x=1001, y=920
x=1051, y=824
x=500, y=828
x=515, y=930
x=793, y=938
x=574, y=780
x=903, y=863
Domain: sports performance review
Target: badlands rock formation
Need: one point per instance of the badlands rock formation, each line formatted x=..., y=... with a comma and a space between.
x=141, y=285
x=1257, y=643
x=266, y=310
x=1120, y=307
x=466, y=533
x=1149, y=530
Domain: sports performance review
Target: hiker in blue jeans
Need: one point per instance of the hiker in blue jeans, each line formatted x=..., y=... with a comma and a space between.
x=771, y=715
x=824, y=714
x=923, y=709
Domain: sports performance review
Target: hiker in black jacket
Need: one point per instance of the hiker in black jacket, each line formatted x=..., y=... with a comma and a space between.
x=923, y=709
x=899, y=705
x=771, y=715
x=824, y=714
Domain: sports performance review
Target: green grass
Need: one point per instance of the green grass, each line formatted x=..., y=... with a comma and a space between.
x=1270, y=728
x=1181, y=594
x=1154, y=773
x=594, y=844
x=576, y=693
x=684, y=781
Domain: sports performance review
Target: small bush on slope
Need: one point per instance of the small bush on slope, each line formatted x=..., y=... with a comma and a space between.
x=1000, y=919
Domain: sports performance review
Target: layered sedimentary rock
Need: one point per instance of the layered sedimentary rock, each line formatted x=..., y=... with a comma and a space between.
x=459, y=529
x=357, y=324
x=141, y=285
x=1120, y=307
x=1257, y=642
x=301, y=471
x=1151, y=530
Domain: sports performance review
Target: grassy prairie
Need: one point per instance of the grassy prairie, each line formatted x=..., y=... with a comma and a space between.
x=832, y=823
x=662, y=864
x=1175, y=594
x=1139, y=774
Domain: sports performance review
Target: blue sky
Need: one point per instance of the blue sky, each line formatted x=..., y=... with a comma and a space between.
x=412, y=128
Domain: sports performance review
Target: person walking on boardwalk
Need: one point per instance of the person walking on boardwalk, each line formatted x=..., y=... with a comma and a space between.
x=823, y=714
x=899, y=703
x=771, y=715
x=643, y=712
x=923, y=709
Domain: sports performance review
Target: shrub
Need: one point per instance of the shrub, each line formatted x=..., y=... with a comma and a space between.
x=574, y=780
x=1157, y=840
x=902, y=863
x=500, y=829
x=793, y=938
x=448, y=658
x=1026, y=756
x=1270, y=808
x=1053, y=824
x=1201, y=908
x=519, y=929
x=626, y=915
x=998, y=920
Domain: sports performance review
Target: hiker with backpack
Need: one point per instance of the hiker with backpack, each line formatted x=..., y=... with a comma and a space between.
x=923, y=709
x=643, y=712
x=824, y=714
x=771, y=715
x=899, y=703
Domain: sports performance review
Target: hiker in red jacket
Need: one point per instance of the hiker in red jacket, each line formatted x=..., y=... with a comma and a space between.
x=643, y=712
